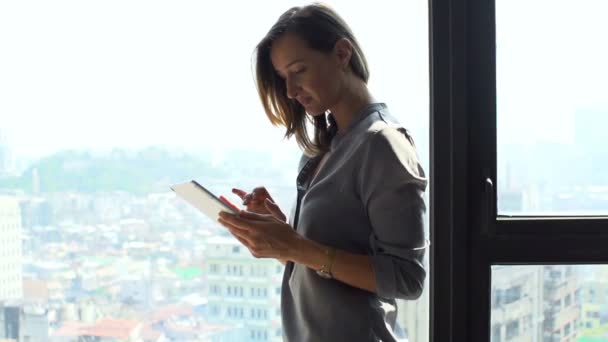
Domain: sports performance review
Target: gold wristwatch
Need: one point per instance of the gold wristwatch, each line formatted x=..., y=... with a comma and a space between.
x=325, y=271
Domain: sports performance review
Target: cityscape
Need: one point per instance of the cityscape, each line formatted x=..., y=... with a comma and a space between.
x=124, y=259
x=138, y=263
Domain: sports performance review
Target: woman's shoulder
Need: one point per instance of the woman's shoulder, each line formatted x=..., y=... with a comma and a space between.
x=384, y=129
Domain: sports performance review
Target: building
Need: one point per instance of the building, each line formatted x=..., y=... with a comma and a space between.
x=517, y=303
x=11, y=287
x=36, y=212
x=243, y=290
x=9, y=321
x=594, y=298
x=23, y=322
x=562, y=305
x=535, y=303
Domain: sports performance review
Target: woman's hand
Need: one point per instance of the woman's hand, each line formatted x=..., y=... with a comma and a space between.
x=264, y=235
x=259, y=201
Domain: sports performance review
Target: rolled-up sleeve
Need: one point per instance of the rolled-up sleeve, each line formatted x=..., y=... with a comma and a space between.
x=392, y=185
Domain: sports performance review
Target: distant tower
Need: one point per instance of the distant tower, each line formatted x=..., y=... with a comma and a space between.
x=11, y=287
x=35, y=182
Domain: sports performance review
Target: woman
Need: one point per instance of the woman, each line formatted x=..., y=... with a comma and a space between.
x=355, y=239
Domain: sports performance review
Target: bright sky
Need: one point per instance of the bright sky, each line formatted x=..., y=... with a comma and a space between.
x=551, y=62
x=131, y=73
x=85, y=74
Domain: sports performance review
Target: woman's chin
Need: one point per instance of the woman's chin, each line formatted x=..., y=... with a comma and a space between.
x=315, y=111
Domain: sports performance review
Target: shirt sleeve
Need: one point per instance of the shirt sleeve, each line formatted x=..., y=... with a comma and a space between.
x=392, y=185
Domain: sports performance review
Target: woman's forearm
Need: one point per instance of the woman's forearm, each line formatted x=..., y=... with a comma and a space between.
x=353, y=269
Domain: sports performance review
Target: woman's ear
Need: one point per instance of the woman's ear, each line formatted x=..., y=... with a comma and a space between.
x=344, y=51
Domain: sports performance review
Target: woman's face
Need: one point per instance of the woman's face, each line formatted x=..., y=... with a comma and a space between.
x=312, y=78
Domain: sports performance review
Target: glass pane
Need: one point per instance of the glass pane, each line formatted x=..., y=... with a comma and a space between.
x=552, y=107
x=104, y=105
x=549, y=303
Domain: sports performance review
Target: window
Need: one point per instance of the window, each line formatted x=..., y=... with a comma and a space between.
x=95, y=181
x=518, y=195
x=512, y=329
x=513, y=294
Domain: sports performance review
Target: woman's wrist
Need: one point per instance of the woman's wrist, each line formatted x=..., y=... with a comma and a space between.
x=308, y=253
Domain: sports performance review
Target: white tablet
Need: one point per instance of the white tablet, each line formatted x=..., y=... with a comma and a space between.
x=202, y=199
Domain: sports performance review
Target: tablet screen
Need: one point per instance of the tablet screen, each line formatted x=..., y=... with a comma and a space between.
x=202, y=199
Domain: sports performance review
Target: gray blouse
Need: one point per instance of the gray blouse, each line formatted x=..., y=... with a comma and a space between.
x=367, y=198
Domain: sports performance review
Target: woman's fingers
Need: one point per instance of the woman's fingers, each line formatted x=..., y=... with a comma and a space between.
x=239, y=233
x=239, y=193
x=244, y=220
x=255, y=199
x=257, y=247
x=274, y=209
x=261, y=193
x=248, y=215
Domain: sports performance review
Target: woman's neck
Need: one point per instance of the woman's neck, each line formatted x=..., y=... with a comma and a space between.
x=351, y=103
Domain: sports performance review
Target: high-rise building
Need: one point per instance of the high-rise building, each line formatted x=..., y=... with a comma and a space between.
x=562, y=303
x=11, y=287
x=535, y=303
x=517, y=303
x=594, y=300
x=243, y=291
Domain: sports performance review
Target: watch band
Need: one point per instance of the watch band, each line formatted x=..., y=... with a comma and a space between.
x=325, y=270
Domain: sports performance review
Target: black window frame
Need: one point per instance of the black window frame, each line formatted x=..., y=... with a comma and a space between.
x=466, y=234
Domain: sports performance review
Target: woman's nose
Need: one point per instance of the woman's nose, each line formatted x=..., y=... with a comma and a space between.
x=291, y=88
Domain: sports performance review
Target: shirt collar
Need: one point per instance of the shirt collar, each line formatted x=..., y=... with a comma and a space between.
x=357, y=118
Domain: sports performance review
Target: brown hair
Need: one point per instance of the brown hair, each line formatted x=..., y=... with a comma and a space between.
x=320, y=27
